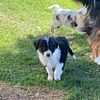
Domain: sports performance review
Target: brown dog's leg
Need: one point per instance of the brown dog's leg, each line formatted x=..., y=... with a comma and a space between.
x=94, y=50
x=99, y=50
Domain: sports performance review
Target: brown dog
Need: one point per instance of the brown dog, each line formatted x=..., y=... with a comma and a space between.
x=94, y=42
x=93, y=37
x=91, y=26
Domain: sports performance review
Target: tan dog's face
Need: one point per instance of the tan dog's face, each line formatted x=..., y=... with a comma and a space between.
x=70, y=19
x=65, y=17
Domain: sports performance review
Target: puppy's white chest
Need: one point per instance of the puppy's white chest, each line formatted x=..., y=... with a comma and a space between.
x=52, y=60
x=56, y=56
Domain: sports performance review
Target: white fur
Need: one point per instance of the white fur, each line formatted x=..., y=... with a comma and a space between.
x=54, y=7
x=58, y=71
x=52, y=62
x=74, y=57
x=50, y=73
x=46, y=38
x=97, y=60
x=63, y=14
x=47, y=52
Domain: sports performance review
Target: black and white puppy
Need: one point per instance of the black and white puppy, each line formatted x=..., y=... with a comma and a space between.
x=52, y=52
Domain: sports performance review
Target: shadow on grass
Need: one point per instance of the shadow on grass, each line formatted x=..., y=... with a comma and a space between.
x=81, y=78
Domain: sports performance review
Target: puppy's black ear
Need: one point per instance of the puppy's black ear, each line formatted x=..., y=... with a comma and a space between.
x=36, y=44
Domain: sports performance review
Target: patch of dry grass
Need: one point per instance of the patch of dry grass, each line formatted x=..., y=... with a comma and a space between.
x=29, y=93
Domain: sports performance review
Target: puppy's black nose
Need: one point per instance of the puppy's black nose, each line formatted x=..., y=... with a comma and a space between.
x=48, y=54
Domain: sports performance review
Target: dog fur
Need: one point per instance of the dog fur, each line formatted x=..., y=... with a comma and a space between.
x=52, y=53
x=64, y=17
x=91, y=26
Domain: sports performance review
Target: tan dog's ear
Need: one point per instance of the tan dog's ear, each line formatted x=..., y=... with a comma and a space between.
x=83, y=11
x=81, y=15
x=54, y=7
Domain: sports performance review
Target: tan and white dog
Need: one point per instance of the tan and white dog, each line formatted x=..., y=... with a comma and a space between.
x=65, y=17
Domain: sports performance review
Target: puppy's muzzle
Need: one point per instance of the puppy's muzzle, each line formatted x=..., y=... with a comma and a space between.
x=48, y=54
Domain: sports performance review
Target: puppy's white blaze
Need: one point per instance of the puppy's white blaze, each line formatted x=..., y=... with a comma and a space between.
x=74, y=57
x=97, y=60
x=46, y=38
x=58, y=71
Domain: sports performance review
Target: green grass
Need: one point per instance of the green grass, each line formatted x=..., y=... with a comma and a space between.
x=22, y=21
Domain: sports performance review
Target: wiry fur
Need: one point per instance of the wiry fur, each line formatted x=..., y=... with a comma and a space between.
x=52, y=53
x=64, y=17
x=91, y=25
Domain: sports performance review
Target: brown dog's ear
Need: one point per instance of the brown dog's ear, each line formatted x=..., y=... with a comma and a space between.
x=36, y=44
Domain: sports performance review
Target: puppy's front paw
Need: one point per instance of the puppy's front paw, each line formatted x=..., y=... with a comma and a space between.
x=57, y=78
x=50, y=78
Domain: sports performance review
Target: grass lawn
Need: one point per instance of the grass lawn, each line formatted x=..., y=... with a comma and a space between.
x=22, y=21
